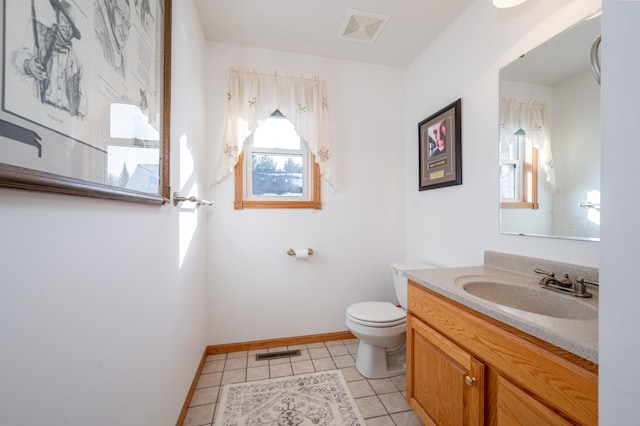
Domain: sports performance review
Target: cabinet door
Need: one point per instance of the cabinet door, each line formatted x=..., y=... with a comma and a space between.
x=516, y=407
x=445, y=384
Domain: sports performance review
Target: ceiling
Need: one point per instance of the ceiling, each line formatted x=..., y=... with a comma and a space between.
x=558, y=59
x=313, y=26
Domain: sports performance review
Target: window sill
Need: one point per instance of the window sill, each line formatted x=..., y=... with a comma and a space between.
x=239, y=205
x=518, y=205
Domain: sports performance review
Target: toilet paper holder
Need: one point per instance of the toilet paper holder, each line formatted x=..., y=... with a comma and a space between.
x=292, y=252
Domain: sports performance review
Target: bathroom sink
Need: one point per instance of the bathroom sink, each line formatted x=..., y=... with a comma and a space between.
x=532, y=299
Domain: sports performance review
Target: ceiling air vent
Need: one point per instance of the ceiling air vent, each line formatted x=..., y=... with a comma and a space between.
x=362, y=27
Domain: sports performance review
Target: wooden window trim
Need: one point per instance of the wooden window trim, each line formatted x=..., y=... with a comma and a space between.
x=529, y=185
x=240, y=203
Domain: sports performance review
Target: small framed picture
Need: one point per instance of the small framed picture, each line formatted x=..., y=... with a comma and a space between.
x=440, y=148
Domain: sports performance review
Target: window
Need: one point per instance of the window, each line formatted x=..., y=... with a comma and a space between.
x=519, y=174
x=277, y=169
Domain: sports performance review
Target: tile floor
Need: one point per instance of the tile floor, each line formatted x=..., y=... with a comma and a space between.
x=382, y=402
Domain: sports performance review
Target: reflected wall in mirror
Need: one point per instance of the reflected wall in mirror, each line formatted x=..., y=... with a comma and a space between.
x=550, y=139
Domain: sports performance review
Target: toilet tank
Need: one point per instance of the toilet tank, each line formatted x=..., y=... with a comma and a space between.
x=400, y=282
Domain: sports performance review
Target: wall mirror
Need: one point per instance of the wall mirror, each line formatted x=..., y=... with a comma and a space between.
x=550, y=138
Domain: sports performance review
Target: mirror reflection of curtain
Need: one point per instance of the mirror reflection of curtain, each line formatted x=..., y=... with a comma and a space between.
x=252, y=98
x=531, y=117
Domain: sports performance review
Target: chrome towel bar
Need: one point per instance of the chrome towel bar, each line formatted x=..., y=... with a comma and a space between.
x=595, y=61
x=590, y=205
x=292, y=252
x=177, y=198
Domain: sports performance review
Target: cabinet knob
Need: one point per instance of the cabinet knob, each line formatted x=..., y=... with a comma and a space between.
x=470, y=381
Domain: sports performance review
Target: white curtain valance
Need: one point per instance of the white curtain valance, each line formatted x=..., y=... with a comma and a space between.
x=531, y=117
x=254, y=95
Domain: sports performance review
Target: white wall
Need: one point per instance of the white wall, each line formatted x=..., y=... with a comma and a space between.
x=101, y=319
x=258, y=292
x=576, y=117
x=453, y=226
x=619, y=313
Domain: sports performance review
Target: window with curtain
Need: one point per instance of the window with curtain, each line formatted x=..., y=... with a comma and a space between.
x=525, y=148
x=519, y=174
x=253, y=98
x=276, y=169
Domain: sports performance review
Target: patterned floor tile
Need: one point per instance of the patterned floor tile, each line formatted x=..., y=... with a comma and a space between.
x=382, y=402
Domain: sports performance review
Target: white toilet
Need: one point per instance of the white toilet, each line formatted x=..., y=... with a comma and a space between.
x=381, y=328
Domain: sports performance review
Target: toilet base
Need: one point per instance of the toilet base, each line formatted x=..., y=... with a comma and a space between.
x=374, y=362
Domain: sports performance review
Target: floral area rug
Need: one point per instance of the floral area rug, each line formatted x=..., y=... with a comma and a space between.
x=321, y=398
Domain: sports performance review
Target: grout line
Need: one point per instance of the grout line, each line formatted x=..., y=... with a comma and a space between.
x=290, y=362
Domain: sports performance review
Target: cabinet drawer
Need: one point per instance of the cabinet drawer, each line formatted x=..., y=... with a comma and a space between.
x=516, y=407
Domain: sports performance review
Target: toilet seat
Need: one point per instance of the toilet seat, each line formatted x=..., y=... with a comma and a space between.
x=376, y=314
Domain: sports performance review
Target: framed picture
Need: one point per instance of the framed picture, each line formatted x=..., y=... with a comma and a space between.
x=85, y=98
x=440, y=149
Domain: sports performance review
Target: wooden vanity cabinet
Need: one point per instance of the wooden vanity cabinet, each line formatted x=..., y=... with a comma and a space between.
x=446, y=382
x=464, y=368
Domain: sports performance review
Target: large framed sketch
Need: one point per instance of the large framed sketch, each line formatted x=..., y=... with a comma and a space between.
x=85, y=98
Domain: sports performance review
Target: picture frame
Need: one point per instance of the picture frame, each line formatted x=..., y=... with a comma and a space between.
x=440, y=148
x=85, y=98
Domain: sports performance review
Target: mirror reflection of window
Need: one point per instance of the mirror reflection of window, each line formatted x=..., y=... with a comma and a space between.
x=128, y=121
x=135, y=168
x=519, y=172
x=557, y=73
x=133, y=158
x=511, y=177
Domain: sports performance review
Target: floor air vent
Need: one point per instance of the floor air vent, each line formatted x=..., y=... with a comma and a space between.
x=276, y=355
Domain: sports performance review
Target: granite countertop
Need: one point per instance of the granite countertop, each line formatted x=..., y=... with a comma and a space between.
x=578, y=336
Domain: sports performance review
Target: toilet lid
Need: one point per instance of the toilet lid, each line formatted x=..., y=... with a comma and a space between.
x=377, y=312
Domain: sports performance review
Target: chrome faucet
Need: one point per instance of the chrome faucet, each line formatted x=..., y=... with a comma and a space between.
x=564, y=285
x=550, y=280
